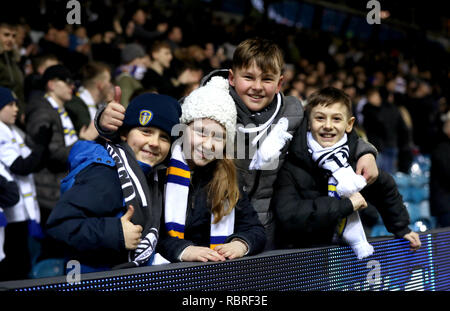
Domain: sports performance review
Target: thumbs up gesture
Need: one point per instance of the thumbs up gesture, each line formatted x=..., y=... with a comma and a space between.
x=131, y=232
x=112, y=117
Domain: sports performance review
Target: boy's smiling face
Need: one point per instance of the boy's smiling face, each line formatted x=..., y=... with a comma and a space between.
x=328, y=124
x=150, y=145
x=255, y=87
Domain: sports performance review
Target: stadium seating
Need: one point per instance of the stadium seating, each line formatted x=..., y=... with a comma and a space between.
x=415, y=190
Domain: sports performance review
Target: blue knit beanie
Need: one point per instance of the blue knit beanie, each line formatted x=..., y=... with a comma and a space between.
x=160, y=111
x=6, y=96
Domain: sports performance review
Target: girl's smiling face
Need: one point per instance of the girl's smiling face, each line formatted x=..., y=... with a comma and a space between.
x=206, y=141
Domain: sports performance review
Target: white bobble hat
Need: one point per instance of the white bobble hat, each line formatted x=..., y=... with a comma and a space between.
x=212, y=101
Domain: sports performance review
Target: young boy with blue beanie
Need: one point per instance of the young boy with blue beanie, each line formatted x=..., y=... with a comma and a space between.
x=109, y=212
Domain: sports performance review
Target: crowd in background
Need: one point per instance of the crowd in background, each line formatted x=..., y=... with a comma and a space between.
x=407, y=74
x=399, y=89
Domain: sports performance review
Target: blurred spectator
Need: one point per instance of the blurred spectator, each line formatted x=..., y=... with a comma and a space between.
x=130, y=73
x=215, y=56
x=136, y=28
x=96, y=89
x=56, y=41
x=386, y=130
x=440, y=177
x=19, y=163
x=33, y=85
x=105, y=42
x=48, y=111
x=11, y=75
x=424, y=113
x=174, y=37
x=158, y=75
x=79, y=41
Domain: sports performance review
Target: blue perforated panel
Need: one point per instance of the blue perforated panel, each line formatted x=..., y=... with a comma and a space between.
x=392, y=267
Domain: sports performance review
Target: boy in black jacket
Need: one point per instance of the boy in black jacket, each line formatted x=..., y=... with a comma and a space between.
x=305, y=212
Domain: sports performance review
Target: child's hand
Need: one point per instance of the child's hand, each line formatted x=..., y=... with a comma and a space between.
x=112, y=117
x=201, y=253
x=367, y=167
x=358, y=201
x=232, y=250
x=414, y=240
x=88, y=132
x=131, y=232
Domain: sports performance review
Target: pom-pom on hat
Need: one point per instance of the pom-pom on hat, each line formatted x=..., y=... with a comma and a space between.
x=6, y=96
x=154, y=110
x=212, y=101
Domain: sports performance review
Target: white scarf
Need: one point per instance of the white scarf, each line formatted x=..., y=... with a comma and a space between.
x=12, y=147
x=176, y=201
x=86, y=96
x=70, y=135
x=266, y=157
x=343, y=183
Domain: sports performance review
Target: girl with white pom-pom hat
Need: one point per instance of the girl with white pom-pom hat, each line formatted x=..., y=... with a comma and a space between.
x=207, y=215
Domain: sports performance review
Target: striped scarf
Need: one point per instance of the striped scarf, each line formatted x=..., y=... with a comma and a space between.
x=343, y=183
x=70, y=135
x=136, y=192
x=176, y=202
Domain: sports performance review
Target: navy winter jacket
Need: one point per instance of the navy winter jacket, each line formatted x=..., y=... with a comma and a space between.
x=198, y=221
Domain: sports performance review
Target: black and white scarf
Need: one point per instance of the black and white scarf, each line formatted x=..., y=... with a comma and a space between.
x=343, y=183
x=136, y=192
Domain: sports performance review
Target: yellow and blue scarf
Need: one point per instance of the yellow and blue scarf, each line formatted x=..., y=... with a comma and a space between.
x=176, y=202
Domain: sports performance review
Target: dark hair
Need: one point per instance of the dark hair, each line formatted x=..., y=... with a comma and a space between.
x=329, y=96
x=265, y=53
x=38, y=60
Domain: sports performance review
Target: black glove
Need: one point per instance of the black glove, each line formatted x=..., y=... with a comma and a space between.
x=43, y=136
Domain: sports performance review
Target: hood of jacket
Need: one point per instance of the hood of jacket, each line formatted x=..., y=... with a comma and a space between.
x=83, y=154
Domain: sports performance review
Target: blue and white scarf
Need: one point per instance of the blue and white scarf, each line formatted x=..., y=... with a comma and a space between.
x=176, y=201
x=70, y=135
x=343, y=182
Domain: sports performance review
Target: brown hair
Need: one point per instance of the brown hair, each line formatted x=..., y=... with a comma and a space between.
x=265, y=53
x=329, y=96
x=158, y=45
x=92, y=70
x=223, y=189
